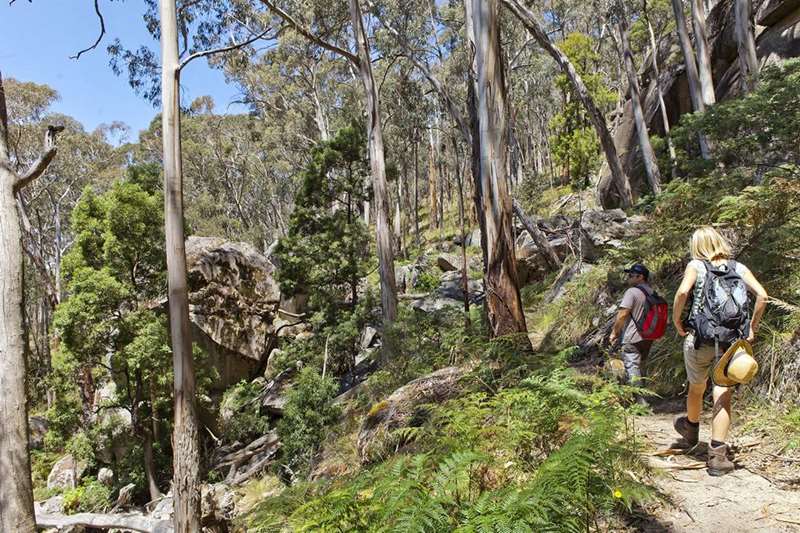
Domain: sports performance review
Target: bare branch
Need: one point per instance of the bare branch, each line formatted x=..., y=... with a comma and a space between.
x=305, y=32
x=3, y=123
x=426, y=71
x=40, y=165
x=232, y=46
x=99, y=37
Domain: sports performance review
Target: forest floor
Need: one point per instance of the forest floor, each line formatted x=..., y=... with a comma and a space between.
x=752, y=498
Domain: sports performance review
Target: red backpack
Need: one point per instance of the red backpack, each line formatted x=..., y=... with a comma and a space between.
x=654, y=319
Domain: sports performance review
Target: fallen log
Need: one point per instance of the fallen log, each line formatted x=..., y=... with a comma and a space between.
x=128, y=521
x=550, y=255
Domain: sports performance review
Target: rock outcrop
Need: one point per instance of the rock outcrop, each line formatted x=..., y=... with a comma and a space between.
x=233, y=301
x=401, y=406
x=66, y=473
x=777, y=39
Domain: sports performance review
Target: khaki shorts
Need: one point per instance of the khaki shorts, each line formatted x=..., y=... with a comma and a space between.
x=698, y=361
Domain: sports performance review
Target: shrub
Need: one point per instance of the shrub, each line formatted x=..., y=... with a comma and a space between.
x=306, y=418
x=90, y=496
x=240, y=412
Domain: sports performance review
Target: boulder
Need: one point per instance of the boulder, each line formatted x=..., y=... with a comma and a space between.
x=52, y=505
x=449, y=262
x=434, y=303
x=115, y=442
x=66, y=473
x=218, y=506
x=233, y=297
x=452, y=287
x=273, y=397
x=375, y=436
x=407, y=276
x=610, y=228
x=37, y=429
x=369, y=337
x=105, y=476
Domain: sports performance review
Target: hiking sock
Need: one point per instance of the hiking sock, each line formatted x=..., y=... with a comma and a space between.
x=693, y=424
x=716, y=443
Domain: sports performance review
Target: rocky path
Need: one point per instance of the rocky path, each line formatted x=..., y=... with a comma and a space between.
x=738, y=502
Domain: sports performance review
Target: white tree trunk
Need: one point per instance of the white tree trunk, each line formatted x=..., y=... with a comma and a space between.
x=661, y=104
x=692, y=75
x=648, y=155
x=703, y=53
x=378, y=167
x=503, y=301
x=16, y=488
x=185, y=443
x=746, y=44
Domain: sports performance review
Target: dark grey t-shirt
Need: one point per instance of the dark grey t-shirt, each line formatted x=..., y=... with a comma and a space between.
x=634, y=300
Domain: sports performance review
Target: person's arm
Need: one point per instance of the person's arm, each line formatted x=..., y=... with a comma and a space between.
x=685, y=289
x=622, y=319
x=761, y=301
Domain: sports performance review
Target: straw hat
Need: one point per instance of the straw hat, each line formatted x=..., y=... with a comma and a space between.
x=736, y=366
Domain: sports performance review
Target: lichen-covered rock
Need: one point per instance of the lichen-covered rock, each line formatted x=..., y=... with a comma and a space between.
x=66, y=473
x=233, y=294
x=610, y=228
x=396, y=411
x=37, y=429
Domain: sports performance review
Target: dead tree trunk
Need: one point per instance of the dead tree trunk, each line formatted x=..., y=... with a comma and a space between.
x=185, y=444
x=692, y=75
x=648, y=155
x=703, y=53
x=504, y=304
x=416, y=190
x=550, y=255
x=598, y=120
x=378, y=167
x=746, y=44
x=16, y=489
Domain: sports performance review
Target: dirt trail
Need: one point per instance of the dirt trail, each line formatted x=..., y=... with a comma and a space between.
x=738, y=502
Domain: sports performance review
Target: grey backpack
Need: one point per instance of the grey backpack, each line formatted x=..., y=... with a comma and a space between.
x=723, y=315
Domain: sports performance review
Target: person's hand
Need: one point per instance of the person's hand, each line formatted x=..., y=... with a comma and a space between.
x=682, y=332
x=752, y=336
x=612, y=339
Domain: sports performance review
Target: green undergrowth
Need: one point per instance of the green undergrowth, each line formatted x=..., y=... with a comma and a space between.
x=541, y=449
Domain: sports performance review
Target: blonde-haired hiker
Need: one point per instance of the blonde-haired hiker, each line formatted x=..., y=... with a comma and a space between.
x=719, y=315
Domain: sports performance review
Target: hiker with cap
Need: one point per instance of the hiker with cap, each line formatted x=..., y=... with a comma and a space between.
x=641, y=319
x=718, y=332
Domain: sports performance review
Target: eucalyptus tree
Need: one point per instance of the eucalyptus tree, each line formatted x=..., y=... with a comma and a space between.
x=528, y=19
x=692, y=73
x=746, y=44
x=648, y=155
x=703, y=51
x=16, y=490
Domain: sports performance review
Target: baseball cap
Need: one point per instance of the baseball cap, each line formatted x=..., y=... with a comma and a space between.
x=638, y=268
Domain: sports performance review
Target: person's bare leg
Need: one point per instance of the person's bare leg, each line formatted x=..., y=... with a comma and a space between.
x=694, y=401
x=721, y=421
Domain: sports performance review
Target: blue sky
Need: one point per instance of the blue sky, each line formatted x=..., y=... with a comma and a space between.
x=37, y=38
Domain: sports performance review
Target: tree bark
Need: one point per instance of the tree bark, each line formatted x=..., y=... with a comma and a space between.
x=185, y=443
x=661, y=104
x=416, y=190
x=433, y=198
x=465, y=269
x=703, y=53
x=598, y=120
x=746, y=44
x=378, y=167
x=474, y=128
x=692, y=75
x=648, y=155
x=504, y=304
x=16, y=488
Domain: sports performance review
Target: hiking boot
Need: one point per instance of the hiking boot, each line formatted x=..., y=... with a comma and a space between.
x=718, y=462
x=689, y=433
